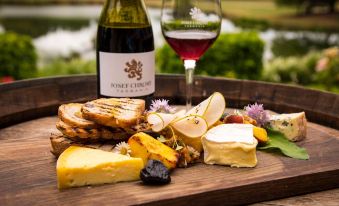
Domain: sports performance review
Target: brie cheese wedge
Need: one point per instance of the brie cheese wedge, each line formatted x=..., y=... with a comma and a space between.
x=230, y=144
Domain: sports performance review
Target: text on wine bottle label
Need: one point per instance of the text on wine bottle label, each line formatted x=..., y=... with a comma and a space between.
x=127, y=74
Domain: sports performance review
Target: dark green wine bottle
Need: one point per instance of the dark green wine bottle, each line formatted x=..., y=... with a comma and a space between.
x=125, y=51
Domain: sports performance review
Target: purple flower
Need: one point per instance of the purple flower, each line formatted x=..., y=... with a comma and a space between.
x=161, y=105
x=257, y=112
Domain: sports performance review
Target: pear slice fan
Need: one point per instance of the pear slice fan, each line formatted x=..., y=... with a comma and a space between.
x=195, y=122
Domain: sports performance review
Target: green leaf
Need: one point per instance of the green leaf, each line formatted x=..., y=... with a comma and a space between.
x=161, y=139
x=279, y=143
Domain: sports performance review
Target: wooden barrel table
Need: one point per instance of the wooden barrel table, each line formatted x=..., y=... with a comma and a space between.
x=27, y=168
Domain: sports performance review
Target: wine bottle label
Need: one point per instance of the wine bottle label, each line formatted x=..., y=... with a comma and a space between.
x=127, y=74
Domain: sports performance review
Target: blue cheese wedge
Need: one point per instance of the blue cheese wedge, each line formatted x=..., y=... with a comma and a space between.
x=79, y=166
x=230, y=144
x=293, y=126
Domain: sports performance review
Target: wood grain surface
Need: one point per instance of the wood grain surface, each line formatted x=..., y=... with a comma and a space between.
x=27, y=168
x=28, y=176
x=326, y=198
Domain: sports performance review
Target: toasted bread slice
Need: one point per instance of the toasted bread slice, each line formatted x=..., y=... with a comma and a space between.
x=92, y=135
x=71, y=115
x=60, y=143
x=114, y=112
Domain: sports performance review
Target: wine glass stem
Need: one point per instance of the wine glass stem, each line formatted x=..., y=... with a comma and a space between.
x=189, y=71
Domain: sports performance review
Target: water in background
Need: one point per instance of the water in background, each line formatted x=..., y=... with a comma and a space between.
x=63, y=31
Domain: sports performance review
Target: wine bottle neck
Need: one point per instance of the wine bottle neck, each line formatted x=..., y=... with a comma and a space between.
x=129, y=2
x=124, y=13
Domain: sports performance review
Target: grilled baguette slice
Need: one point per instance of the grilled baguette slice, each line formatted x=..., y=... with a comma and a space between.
x=71, y=115
x=92, y=135
x=60, y=143
x=114, y=112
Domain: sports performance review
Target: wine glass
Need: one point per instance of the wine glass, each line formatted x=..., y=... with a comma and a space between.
x=190, y=27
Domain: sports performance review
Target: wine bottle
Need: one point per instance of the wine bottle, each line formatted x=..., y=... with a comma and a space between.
x=125, y=51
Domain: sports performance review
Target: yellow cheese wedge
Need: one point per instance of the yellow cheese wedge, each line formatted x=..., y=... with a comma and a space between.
x=79, y=166
x=230, y=144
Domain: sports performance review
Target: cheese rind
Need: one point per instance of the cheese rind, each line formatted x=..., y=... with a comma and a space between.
x=79, y=166
x=236, y=153
x=293, y=126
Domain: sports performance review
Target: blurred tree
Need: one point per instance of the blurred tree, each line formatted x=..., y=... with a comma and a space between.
x=307, y=6
x=18, y=57
x=301, y=44
x=24, y=25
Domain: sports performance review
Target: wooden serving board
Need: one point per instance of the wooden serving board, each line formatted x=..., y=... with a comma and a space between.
x=27, y=168
x=28, y=176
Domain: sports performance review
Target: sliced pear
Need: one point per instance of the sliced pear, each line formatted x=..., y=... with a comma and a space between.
x=180, y=114
x=192, y=126
x=201, y=107
x=211, y=109
x=159, y=121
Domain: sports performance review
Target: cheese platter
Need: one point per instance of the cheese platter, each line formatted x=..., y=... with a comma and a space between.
x=29, y=168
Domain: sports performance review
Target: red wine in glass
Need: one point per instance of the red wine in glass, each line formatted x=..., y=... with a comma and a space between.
x=190, y=28
x=190, y=44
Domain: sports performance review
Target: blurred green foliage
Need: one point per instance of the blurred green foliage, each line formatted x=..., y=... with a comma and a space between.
x=301, y=45
x=44, y=2
x=289, y=2
x=316, y=69
x=41, y=25
x=307, y=6
x=18, y=57
x=327, y=69
x=232, y=55
x=67, y=67
x=250, y=23
x=296, y=70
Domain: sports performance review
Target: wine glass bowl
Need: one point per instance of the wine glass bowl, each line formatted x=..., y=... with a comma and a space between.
x=190, y=27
